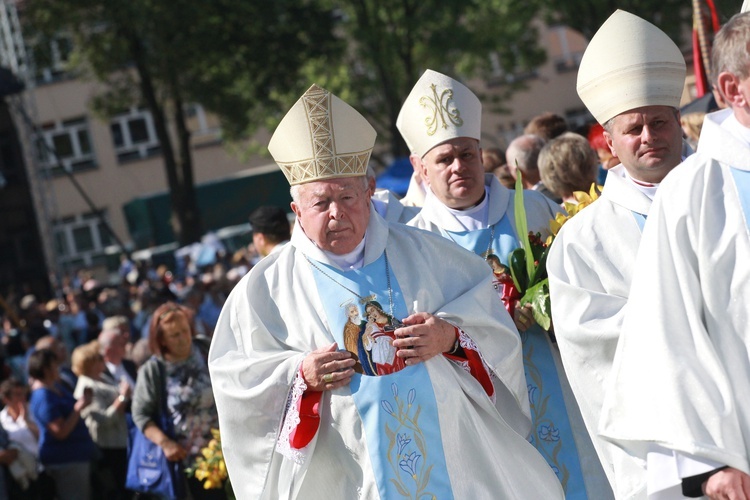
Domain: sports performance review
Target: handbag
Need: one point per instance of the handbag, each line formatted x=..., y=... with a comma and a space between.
x=149, y=471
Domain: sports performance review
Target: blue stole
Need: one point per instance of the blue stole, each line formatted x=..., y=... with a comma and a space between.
x=640, y=219
x=742, y=181
x=551, y=433
x=396, y=403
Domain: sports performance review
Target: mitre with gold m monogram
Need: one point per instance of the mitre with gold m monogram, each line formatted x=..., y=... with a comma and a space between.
x=438, y=109
x=322, y=137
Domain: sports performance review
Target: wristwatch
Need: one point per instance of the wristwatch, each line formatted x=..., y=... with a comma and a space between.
x=122, y=398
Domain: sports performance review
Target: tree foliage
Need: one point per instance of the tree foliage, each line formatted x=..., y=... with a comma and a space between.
x=239, y=60
x=391, y=42
x=674, y=17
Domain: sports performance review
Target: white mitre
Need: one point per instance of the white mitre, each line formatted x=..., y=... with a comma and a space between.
x=322, y=137
x=629, y=63
x=745, y=6
x=438, y=109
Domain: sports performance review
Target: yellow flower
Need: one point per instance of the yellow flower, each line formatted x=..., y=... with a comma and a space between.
x=584, y=199
x=210, y=467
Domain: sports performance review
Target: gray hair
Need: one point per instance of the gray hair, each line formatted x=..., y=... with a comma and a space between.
x=730, y=48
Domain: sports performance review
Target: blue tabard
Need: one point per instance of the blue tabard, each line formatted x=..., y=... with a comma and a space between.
x=396, y=403
x=742, y=182
x=551, y=433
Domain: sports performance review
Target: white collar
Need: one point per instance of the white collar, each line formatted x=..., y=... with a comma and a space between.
x=738, y=130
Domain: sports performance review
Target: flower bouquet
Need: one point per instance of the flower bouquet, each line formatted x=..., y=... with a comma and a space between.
x=527, y=263
x=210, y=467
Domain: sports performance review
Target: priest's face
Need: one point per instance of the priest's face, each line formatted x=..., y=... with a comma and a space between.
x=454, y=172
x=647, y=140
x=334, y=213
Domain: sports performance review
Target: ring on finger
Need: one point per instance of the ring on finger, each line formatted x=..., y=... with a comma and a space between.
x=328, y=378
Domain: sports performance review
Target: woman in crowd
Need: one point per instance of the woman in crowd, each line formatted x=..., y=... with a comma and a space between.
x=15, y=417
x=187, y=385
x=568, y=164
x=24, y=480
x=65, y=446
x=105, y=419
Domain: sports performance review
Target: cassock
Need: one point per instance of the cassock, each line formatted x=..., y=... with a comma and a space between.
x=430, y=428
x=558, y=431
x=681, y=374
x=590, y=268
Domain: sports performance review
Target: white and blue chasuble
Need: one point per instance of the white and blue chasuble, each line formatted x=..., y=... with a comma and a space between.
x=551, y=434
x=552, y=406
x=398, y=409
x=429, y=429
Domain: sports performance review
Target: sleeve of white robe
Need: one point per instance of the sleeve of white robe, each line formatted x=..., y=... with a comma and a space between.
x=670, y=386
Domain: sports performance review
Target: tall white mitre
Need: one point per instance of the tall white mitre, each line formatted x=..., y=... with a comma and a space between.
x=438, y=109
x=322, y=137
x=745, y=6
x=629, y=63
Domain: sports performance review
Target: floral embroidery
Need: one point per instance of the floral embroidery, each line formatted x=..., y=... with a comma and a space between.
x=549, y=433
x=407, y=446
x=549, y=443
x=291, y=421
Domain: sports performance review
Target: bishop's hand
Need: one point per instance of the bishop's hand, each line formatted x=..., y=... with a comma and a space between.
x=728, y=484
x=327, y=368
x=424, y=336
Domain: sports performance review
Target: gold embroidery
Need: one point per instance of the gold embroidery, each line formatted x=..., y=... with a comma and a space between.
x=439, y=105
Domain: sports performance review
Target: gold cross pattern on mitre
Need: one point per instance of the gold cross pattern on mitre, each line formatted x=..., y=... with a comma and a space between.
x=438, y=109
x=322, y=137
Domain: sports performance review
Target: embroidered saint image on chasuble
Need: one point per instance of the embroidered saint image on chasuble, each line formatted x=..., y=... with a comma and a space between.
x=362, y=308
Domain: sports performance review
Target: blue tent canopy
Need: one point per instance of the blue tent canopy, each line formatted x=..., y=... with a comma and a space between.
x=396, y=177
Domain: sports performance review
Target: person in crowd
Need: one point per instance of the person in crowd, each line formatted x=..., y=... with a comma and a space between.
x=15, y=417
x=691, y=127
x=523, y=156
x=66, y=449
x=178, y=372
x=120, y=324
x=494, y=162
x=568, y=164
x=547, y=125
x=113, y=345
x=473, y=210
x=634, y=91
x=386, y=204
x=599, y=144
x=104, y=417
x=296, y=420
x=24, y=480
x=271, y=229
x=68, y=378
x=676, y=398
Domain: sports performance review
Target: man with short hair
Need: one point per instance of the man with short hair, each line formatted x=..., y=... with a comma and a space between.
x=270, y=229
x=300, y=415
x=523, y=155
x=441, y=122
x=631, y=79
x=678, y=393
x=112, y=347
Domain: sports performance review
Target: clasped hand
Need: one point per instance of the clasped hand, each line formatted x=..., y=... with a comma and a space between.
x=424, y=336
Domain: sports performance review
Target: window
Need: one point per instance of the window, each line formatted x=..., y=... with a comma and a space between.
x=133, y=135
x=80, y=239
x=70, y=141
x=50, y=57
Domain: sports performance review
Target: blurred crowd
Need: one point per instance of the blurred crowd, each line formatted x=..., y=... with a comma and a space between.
x=69, y=365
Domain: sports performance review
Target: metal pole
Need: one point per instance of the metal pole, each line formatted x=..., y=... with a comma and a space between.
x=19, y=108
